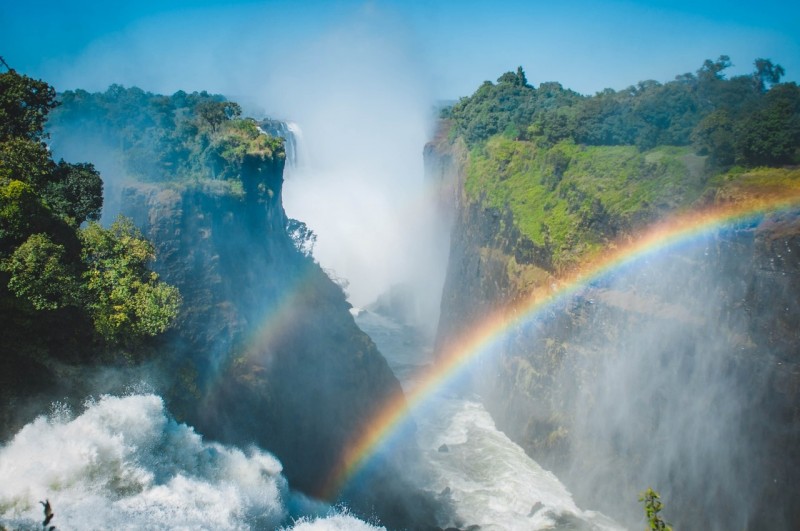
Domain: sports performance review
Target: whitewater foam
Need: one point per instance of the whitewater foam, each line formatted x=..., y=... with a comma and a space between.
x=125, y=464
x=340, y=522
x=471, y=467
x=489, y=480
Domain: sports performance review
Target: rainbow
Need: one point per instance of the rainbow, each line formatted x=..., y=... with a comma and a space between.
x=480, y=338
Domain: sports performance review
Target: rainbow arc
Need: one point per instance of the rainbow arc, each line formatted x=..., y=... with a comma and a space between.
x=479, y=339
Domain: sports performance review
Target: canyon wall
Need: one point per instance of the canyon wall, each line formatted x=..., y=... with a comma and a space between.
x=679, y=372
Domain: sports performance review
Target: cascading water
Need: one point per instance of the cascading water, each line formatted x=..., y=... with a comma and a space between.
x=291, y=134
x=476, y=471
x=125, y=464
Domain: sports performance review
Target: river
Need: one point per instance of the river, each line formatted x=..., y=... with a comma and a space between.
x=484, y=477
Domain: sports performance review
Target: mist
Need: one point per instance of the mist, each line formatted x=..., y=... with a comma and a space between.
x=357, y=87
x=362, y=106
x=662, y=378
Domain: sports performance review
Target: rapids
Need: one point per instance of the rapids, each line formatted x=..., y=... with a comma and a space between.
x=473, y=468
x=125, y=464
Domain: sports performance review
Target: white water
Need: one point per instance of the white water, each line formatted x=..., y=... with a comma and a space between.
x=487, y=479
x=297, y=157
x=124, y=464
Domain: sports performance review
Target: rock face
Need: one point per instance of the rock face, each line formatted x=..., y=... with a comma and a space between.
x=680, y=373
x=265, y=350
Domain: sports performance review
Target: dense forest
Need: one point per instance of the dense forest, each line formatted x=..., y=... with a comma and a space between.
x=183, y=137
x=64, y=279
x=750, y=120
x=72, y=291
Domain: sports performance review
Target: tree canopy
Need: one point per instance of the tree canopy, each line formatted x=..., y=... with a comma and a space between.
x=183, y=137
x=750, y=120
x=49, y=261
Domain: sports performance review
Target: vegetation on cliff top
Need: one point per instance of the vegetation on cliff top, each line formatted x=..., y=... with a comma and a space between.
x=750, y=120
x=183, y=137
x=68, y=287
x=577, y=171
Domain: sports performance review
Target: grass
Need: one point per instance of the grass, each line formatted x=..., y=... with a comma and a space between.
x=739, y=184
x=573, y=198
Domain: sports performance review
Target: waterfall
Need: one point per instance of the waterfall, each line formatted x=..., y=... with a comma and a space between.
x=291, y=134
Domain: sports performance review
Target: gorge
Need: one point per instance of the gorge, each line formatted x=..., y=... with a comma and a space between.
x=615, y=314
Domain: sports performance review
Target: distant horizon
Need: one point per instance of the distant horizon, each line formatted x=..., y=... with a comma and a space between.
x=450, y=48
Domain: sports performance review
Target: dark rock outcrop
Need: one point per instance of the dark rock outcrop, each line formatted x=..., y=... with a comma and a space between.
x=265, y=350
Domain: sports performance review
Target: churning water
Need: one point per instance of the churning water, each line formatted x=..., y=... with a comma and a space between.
x=484, y=477
x=124, y=464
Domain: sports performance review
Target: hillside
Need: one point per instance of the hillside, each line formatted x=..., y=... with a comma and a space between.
x=544, y=185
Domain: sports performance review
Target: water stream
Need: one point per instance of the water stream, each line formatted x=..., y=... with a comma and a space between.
x=486, y=478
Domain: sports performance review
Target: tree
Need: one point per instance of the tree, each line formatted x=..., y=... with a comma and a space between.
x=517, y=78
x=125, y=299
x=75, y=193
x=40, y=274
x=770, y=135
x=302, y=237
x=521, y=79
x=24, y=104
x=50, y=269
x=652, y=508
x=713, y=69
x=26, y=160
x=767, y=74
x=21, y=214
x=215, y=113
x=714, y=136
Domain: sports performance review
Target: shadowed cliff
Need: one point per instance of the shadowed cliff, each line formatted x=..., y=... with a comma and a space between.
x=679, y=371
x=265, y=350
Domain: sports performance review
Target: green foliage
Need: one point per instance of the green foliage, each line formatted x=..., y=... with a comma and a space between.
x=214, y=113
x=770, y=134
x=652, y=509
x=740, y=186
x=241, y=143
x=40, y=274
x=509, y=105
x=750, y=120
x=767, y=74
x=573, y=172
x=302, y=237
x=715, y=136
x=21, y=214
x=183, y=137
x=24, y=104
x=572, y=199
x=75, y=193
x=50, y=269
x=126, y=300
x=26, y=160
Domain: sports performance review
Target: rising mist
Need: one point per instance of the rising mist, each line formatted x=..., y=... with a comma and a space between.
x=358, y=89
x=667, y=374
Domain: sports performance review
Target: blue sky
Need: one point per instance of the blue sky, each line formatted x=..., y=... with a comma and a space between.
x=361, y=78
x=451, y=46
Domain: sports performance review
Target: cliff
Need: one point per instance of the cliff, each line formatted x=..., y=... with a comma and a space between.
x=265, y=350
x=679, y=373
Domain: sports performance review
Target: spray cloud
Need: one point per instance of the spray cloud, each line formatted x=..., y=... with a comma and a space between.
x=357, y=88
